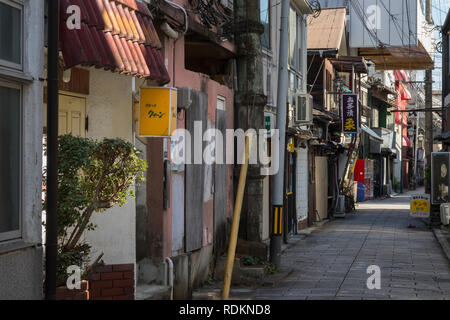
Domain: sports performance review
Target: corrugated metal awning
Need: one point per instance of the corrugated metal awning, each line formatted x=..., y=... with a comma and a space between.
x=326, y=30
x=350, y=63
x=371, y=133
x=116, y=35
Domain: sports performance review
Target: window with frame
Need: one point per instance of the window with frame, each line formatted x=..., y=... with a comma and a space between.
x=297, y=49
x=264, y=9
x=11, y=18
x=10, y=161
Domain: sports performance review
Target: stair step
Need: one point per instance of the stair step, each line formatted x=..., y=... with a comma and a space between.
x=152, y=292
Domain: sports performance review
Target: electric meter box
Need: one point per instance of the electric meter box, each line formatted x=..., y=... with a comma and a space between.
x=440, y=177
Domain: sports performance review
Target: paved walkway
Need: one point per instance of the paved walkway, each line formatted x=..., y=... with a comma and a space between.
x=332, y=262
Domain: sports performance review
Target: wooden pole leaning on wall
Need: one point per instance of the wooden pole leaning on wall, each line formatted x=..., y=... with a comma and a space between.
x=236, y=220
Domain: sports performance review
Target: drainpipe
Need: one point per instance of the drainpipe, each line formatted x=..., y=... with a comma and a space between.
x=52, y=149
x=278, y=189
x=170, y=276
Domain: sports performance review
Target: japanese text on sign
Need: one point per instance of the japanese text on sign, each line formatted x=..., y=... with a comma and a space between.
x=420, y=206
x=350, y=114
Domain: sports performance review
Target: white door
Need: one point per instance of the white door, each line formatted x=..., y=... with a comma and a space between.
x=72, y=115
x=322, y=187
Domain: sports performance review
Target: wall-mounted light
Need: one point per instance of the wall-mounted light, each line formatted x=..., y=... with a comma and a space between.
x=67, y=75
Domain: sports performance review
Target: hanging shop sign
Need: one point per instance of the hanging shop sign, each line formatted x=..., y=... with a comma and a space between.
x=420, y=206
x=157, y=112
x=350, y=113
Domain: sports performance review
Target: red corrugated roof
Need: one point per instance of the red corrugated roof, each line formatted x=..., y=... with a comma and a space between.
x=116, y=35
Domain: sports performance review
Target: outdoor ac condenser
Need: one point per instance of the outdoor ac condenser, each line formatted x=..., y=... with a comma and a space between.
x=445, y=213
x=304, y=109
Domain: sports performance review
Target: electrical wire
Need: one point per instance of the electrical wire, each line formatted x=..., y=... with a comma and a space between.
x=211, y=14
x=186, y=22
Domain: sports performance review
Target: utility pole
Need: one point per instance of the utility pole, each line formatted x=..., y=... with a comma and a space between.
x=428, y=102
x=52, y=150
x=249, y=109
x=278, y=189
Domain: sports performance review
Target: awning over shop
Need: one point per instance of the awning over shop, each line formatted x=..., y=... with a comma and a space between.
x=406, y=142
x=371, y=133
x=389, y=152
x=442, y=137
x=322, y=115
x=349, y=64
x=391, y=58
x=325, y=32
x=116, y=35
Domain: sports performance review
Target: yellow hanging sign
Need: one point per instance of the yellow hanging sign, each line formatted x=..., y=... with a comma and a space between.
x=157, y=112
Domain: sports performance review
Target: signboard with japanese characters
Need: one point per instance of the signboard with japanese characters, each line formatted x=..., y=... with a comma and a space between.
x=350, y=113
x=158, y=112
x=420, y=206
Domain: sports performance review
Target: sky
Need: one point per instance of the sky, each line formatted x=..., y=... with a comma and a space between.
x=440, y=10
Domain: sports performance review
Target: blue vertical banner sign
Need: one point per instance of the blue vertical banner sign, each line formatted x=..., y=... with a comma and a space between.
x=350, y=113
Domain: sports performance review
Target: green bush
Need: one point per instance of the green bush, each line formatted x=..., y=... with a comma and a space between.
x=93, y=176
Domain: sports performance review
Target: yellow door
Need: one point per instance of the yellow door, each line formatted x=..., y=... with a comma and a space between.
x=72, y=115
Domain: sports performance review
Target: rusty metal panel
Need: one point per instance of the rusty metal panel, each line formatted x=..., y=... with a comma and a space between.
x=195, y=174
x=220, y=190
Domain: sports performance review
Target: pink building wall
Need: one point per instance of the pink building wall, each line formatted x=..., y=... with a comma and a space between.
x=160, y=220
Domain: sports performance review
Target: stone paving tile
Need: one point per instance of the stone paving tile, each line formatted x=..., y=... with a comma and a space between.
x=331, y=262
x=321, y=297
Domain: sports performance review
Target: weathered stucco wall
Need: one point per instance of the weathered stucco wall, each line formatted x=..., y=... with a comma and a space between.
x=109, y=108
x=302, y=184
x=21, y=270
x=175, y=60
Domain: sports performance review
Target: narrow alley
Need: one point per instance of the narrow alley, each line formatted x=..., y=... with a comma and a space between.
x=194, y=150
x=331, y=263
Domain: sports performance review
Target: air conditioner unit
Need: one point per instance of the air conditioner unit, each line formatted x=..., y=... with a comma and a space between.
x=227, y=4
x=445, y=213
x=440, y=177
x=304, y=109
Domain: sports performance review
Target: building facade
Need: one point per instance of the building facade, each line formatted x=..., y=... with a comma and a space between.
x=21, y=93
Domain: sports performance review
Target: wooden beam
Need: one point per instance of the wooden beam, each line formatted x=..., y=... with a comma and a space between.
x=403, y=66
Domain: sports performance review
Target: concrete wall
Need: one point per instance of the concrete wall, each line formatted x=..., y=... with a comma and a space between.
x=266, y=210
x=21, y=259
x=301, y=191
x=322, y=187
x=109, y=108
